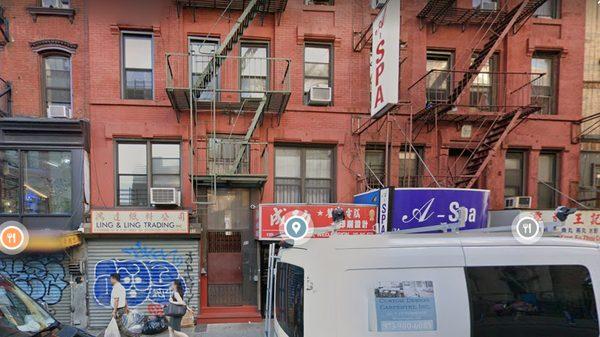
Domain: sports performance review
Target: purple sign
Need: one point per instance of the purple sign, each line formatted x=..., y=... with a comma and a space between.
x=429, y=207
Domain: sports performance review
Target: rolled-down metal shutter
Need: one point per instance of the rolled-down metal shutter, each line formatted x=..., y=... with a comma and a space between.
x=146, y=267
x=44, y=277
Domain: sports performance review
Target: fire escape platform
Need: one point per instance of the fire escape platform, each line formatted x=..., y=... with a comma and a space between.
x=276, y=102
x=237, y=180
x=271, y=6
x=445, y=13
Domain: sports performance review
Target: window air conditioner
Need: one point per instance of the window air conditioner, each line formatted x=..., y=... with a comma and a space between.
x=56, y=3
x=58, y=111
x=165, y=196
x=319, y=96
x=378, y=3
x=523, y=202
x=488, y=5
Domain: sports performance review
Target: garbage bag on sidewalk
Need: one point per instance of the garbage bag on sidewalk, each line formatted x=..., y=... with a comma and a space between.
x=112, y=330
x=134, y=322
x=155, y=325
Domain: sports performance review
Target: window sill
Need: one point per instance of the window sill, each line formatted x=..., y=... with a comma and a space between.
x=66, y=12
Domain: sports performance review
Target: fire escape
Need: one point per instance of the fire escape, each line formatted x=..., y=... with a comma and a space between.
x=445, y=89
x=210, y=82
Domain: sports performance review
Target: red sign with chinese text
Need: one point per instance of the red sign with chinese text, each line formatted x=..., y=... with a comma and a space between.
x=359, y=219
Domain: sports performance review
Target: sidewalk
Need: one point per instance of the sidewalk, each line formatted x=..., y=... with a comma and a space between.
x=215, y=330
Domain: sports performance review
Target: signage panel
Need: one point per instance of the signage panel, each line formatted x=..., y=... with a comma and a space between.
x=139, y=222
x=359, y=219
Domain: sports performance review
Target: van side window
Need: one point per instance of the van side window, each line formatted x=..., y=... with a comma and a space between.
x=289, y=299
x=518, y=301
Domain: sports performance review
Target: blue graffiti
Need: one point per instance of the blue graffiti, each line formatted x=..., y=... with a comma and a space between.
x=140, y=252
x=142, y=280
x=41, y=277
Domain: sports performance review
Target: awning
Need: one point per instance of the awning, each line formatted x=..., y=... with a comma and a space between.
x=46, y=241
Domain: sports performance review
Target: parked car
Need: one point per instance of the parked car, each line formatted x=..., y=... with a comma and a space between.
x=459, y=285
x=21, y=316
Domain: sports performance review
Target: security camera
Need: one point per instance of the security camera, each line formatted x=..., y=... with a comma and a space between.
x=253, y=207
x=563, y=212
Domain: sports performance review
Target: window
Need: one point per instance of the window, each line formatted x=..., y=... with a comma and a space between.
x=549, y=10
x=410, y=166
x=35, y=182
x=375, y=165
x=254, y=70
x=317, y=66
x=137, y=66
x=318, y=2
x=141, y=163
x=57, y=81
x=549, y=301
x=438, y=82
x=289, y=299
x=56, y=3
x=203, y=50
x=303, y=175
x=547, y=180
x=543, y=90
x=485, y=85
x=485, y=4
x=514, y=174
x=223, y=151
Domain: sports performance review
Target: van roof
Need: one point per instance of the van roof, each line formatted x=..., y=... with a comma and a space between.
x=461, y=239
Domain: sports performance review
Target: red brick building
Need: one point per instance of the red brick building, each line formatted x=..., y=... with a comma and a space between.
x=139, y=68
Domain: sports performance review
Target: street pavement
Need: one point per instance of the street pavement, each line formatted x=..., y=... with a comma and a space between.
x=215, y=330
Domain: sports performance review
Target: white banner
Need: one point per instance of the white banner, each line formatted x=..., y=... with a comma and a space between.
x=385, y=59
x=139, y=222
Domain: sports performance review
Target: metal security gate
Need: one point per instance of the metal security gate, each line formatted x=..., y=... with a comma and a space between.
x=146, y=267
x=44, y=277
x=224, y=261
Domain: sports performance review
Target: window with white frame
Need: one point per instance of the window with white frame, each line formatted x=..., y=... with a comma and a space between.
x=202, y=50
x=57, y=82
x=137, y=75
x=254, y=69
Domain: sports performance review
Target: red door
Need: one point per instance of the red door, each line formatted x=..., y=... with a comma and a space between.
x=224, y=264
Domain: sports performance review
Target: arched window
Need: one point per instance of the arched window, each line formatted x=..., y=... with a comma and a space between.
x=56, y=86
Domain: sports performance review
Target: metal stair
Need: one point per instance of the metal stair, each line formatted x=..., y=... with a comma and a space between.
x=499, y=30
x=490, y=143
x=253, y=7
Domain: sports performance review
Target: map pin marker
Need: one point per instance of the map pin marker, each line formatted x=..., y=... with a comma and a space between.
x=296, y=227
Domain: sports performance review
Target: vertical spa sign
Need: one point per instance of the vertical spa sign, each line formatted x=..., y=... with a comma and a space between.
x=385, y=59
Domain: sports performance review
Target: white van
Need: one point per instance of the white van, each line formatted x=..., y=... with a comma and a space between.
x=446, y=285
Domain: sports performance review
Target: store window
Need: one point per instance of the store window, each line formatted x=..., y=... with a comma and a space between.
x=410, y=166
x=549, y=301
x=202, y=50
x=142, y=165
x=137, y=63
x=547, y=180
x=548, y=10
x=289, y=299
x=375, y=165
x=439, y=77
x=254, y=69
x=35, y=182
x=514, y=174
x=485, y=85
x=57, y=85
x=303, y=175
x=317, y=67
x=544, y=88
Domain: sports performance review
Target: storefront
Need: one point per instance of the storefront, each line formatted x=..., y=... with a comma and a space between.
x=149, y=249
x=43, y=184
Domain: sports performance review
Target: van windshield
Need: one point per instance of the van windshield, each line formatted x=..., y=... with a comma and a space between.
x=289, y=299
x=20, y=315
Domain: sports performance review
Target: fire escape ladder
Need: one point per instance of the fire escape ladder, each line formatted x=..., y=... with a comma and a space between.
x=255, y=120
x=499, y=31
x=490, y=143
x=253, y=7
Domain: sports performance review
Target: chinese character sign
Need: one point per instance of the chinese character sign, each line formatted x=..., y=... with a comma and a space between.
x=358, y=219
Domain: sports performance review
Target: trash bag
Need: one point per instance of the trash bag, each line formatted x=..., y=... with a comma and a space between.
x=112, y=330
x=134, y=321
x=155, y=325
